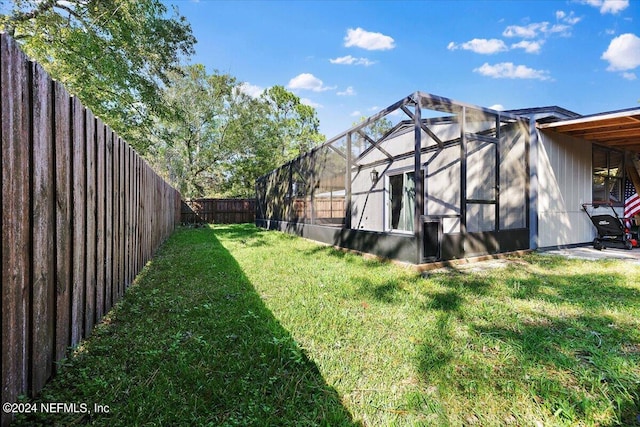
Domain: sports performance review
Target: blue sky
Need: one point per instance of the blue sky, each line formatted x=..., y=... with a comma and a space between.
x=352, y=58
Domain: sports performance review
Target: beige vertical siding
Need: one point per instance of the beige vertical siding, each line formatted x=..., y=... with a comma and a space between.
x=564, y=168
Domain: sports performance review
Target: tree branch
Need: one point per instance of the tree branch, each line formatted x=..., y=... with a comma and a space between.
x=72, y=13
x=43, y=7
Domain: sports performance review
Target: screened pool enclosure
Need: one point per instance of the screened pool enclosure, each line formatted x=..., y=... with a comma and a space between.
x=426, y=179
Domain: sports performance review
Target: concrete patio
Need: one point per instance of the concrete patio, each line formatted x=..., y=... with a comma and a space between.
x=588, y=252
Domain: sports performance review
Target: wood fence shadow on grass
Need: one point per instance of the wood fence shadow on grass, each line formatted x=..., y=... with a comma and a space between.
x=292, y=384
x=228, y=359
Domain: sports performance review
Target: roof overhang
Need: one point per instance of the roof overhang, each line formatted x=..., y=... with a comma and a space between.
x=620, y=130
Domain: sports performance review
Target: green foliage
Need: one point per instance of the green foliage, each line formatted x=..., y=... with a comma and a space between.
x=295, y=124
x=113, y=54
x=374, y=131
x=122, y=59
x=275, y=128
x=217, y=140
x=192, y=141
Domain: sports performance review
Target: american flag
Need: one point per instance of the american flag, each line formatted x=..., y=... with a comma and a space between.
x=631, y=200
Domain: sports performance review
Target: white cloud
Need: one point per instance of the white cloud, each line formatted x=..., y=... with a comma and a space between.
x=613, y=6
x=351, y=60
x=563, y=30
x=347, y=92
x=608, y=6
x=529, y=47
x=629, y=76
x=535, y=29
x=374, y=108
x=356, y=114
x=310, y=103
x=528, y=32
x=251, y=90
x=368, y=40
x=308, y=81
x=497, y=107
x=570, y=19
x=482, y=46
x=507, y=70
x=623, y=53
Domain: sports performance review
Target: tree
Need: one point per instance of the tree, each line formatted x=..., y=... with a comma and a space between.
x=115, y=55
x=193, y=142
x=218, y=140
x=295, y=124
x=374, y=131
x=275, y=128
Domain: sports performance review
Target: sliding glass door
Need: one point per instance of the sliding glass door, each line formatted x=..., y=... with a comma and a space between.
x=402, y=201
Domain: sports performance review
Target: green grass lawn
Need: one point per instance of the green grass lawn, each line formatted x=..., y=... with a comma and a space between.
x=231, y=325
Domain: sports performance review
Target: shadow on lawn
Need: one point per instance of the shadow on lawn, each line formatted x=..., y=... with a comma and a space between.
x=192, y=343
x=261, y=376
x=588, y=358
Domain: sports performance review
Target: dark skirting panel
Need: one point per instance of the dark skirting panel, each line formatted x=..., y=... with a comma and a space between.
x=405, y=247
x=384, y=245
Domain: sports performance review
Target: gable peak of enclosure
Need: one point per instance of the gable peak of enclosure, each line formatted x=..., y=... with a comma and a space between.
x=429, y=179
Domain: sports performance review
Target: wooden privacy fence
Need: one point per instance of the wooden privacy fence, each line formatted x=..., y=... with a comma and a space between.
x=219, y=211
x=81, y=214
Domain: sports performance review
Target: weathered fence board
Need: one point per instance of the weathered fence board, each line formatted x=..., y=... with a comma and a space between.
x=43, y=197
x=223, y=211
x=108, y=220
x=121, y=213
x=90, y=241
x=15, y=221
x=79, y=221
x=63, y=229
x=81, y=215
x=116, y=218
x=100, y=219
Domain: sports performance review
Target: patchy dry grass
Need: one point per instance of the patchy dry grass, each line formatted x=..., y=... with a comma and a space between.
x=232, y=325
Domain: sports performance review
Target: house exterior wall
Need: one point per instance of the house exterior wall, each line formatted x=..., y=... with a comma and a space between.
x=441, y=169
x=442, y=183
x=367, y=201
x=470, y=196
x=442, y=186
x=565, y=179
